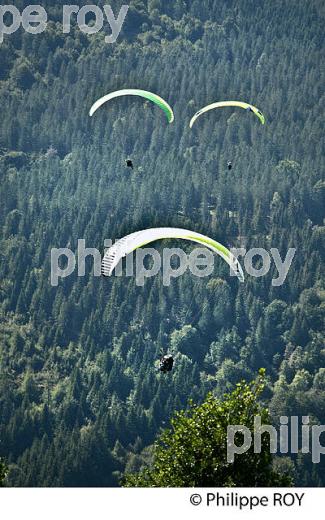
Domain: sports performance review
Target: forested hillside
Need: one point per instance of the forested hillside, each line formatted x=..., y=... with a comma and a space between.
x=80, y=400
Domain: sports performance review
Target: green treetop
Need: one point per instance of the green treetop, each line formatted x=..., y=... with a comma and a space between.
x=193, y=451
x=3, y=473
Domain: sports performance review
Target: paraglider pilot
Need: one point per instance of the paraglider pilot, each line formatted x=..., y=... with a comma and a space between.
x=166, y=364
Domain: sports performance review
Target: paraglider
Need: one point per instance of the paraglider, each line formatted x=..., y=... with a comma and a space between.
x=222, y=104
x=135, y=92
x=166, y=363
x=141, y=238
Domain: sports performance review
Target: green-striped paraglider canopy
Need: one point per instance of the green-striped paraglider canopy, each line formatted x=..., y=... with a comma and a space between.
x=221, y=104
x=135, y=92
x=130, y=243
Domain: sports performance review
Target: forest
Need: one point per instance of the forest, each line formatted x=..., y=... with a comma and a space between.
x=81, y=402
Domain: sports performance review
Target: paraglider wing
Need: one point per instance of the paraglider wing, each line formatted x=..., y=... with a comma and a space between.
x=222, y=104
x=141, y=238
x=135, y=92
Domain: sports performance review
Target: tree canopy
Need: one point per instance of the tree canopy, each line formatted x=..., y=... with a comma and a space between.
x=193, y=451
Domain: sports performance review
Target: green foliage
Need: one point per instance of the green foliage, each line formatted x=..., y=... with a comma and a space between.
x=3, y=473
x=193, y=452
x=22, y=75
